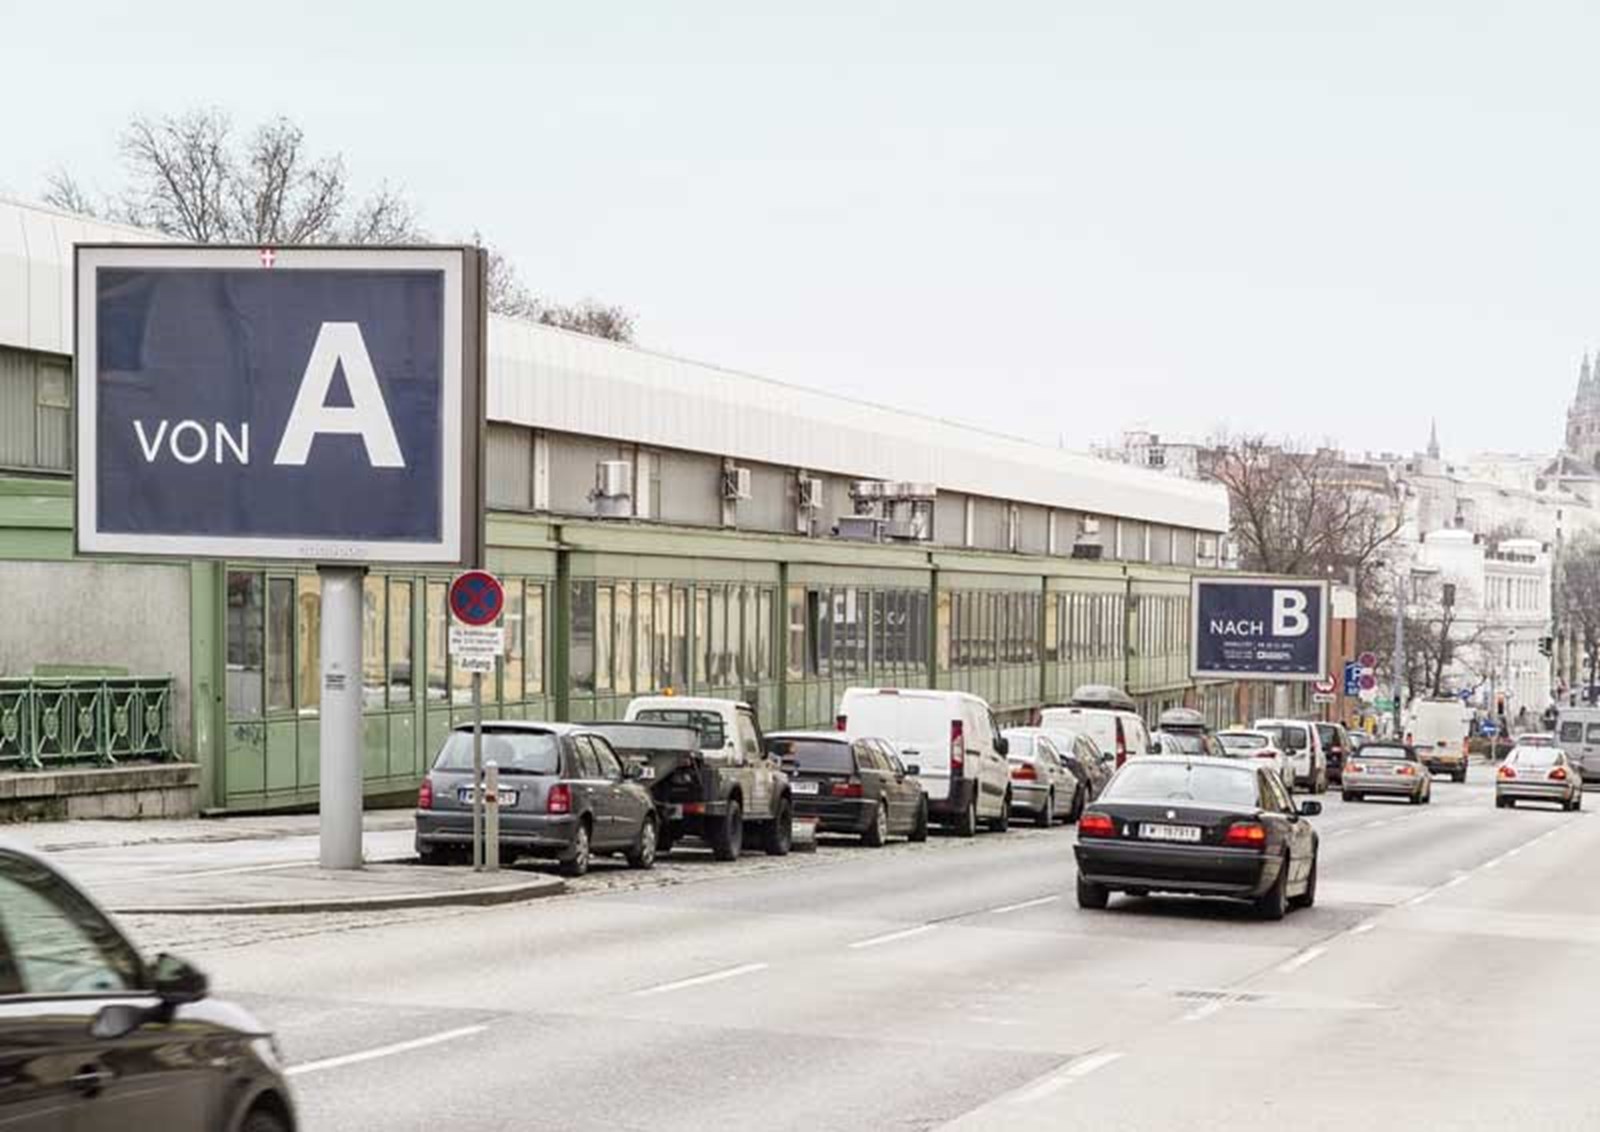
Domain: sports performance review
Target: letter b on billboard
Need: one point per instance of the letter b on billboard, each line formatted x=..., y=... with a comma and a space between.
x=1258, y=629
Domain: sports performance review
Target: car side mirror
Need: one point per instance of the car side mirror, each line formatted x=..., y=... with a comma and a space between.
x=177, y=981
x=1155, y=746
x=117, y=1021
x=632, y=771
x=913, y=769
x=1002, y=745
x=1310, y=809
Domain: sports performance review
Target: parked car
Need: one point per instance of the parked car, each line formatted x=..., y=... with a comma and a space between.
x=1438, y=728
x=1538, y=774
x=1578, y=734
x=742, y=795
x=1107, y=715
x=564, y=794
x=1387, y=767
x=1084, y=758
x=1335, y=742
x=1042, y=784
x=953, y=739
x=1211, y=827
x=852, y=785
x=1240, y=743
x=1184, y=731
x=94, y=1035
x=1299, y=740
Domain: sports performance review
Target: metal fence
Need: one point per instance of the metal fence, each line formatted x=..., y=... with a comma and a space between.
x=53, y=722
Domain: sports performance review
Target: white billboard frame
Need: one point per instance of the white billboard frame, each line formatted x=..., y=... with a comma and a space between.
x=1268, y=580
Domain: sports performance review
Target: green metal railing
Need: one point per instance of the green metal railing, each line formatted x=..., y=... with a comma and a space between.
x=49, y=722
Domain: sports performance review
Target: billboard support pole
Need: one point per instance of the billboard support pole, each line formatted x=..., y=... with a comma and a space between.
x=339, y=728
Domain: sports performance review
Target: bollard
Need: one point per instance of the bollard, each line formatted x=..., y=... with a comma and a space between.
x=491, y=816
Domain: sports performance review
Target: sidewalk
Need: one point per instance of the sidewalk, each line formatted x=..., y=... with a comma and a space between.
x=259, y=865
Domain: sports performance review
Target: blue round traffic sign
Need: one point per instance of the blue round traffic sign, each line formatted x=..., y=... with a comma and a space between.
x=477, y=598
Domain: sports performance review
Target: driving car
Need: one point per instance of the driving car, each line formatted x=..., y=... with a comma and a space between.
x=1335, y=742
x=1242, y=743
x=1184, y=731
x=1204, y=826
x=852, y=785
x=95, y=1035
x=1538, y=774
x=1043, y=786
x=564, y=794
x=1093, y=764
x=1299, y=740
x=1106, y=714
x=1387, y=767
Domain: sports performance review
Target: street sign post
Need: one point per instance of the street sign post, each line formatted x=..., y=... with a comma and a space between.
x=1259, y=629
x=1352, y=678
x=476, y=599
x=305, y=404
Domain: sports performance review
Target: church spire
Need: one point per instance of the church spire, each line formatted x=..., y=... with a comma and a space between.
x=1585, y=379
x=1433, y=429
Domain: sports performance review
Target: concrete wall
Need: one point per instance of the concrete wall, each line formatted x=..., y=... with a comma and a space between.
x=134, y=616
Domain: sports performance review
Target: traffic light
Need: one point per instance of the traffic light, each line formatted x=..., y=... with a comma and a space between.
x=1547, y=646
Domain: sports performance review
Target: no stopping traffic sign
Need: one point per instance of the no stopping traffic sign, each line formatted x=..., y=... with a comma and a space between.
x=477, y=598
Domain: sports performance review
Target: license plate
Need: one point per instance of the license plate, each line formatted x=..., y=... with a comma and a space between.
x=507, y=797
x=647, y=772
x=803, y=787
x=1150, y=831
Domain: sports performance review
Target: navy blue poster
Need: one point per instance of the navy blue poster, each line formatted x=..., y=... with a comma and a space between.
x=1259, y=628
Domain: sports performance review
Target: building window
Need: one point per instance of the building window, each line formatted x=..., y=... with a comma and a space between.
x=399, y=642
x=581, y=654
x=280, y=644
x=513, y=624
x=536, y=639
x=246, y=643
x=438, y=643
x=374, y=673
x=680, y=636
x=603, y=628
x=308, y=654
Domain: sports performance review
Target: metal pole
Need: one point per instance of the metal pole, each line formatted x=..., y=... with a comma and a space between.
x=477, y=771
x=339, y=726
x=1397, y=661
x=491, y=827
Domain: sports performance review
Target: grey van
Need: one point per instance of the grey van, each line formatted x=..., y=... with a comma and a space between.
x=1578, y=734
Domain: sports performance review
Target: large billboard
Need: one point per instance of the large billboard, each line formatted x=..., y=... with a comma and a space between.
x=1259, y=629
x=316, y=404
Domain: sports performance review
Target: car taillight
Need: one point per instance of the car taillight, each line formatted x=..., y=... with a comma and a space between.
x=425, y=795
x=1403, y=769
x=846, y=790
x=839, y=722
x=1246, y=835
x=1122, y=745
x=1559, y=774
x=1357, y=768
x=1095, y=825
x=1025, y=772
x=958, y=746
x=1266, y=754
x=1507, y=772
x=559, y=800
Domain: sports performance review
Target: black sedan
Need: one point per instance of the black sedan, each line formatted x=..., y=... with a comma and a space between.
x=852, y=785
x=1212, y=827
x=93, y=1036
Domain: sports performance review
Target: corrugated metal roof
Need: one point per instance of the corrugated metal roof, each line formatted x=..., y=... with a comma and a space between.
x=548, y=378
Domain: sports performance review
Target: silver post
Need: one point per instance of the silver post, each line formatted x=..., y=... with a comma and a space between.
x=491, y=802
x=1398, y=660
x=339, y=727
x=477, y=771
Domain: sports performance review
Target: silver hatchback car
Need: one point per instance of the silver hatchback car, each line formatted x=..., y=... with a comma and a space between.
x=1538, y=774
x=1384, y=767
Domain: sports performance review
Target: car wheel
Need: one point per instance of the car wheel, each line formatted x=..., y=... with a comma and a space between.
x=919, y=831
x=967, y=824
x=262, y=1119
x=1274, y=902
x=1093, y=896
x=1459, y=776
x=1046, y=817
x=576, y=862
x=1003, y=822
x=434, y=855
x=1309, y=897
x=1506, y=803
x=727, y=835
x=1346, y=796
x=878, y=832
x=1427, y=794
x=779, y=834
x=643, y=853
x=1577, y=803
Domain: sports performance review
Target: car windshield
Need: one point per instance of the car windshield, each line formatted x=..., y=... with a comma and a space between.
x=1385, y=751
x=1534, y=758
x=828, y=755
x=1236, y=741
x=1183, y=743
x=708, y=723
x=1142, y=781
x=515, y=752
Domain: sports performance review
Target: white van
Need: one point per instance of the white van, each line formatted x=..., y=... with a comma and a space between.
x=952, y=738
x=1578, y=734
x=1300, y=741
x=1105, y=714
x=1438, y=730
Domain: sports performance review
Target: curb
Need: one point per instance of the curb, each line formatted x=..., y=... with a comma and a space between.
x=516, y=893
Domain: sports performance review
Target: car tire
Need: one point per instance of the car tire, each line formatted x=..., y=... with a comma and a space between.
x=727, y=834
x=878, y=832
x=435, y=855
x=967, y=824
x=1346, y=796
x=1273, y=904
x=1093, y=896
x=1003, y=822
x=1427, y=794
x=1046, y=817
x=263, y=1119
x=1309, y=897
x=919, y=830
x=643, y=853
x=576, y=862
x=778, y=837
x=1577, y=803
x=1506, y=803
x=1459, y=775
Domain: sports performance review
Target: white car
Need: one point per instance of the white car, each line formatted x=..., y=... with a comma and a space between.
x=1243, y=744
x=953, y=740
x=1299, y=740
x=1042, y=786
x=1105, y=714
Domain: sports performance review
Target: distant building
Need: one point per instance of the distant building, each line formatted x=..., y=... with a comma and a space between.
x=1145, y=449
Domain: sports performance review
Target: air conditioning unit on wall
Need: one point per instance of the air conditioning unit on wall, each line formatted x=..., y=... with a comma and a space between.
x=735, y=482
x=810, y=492
x=613, y=489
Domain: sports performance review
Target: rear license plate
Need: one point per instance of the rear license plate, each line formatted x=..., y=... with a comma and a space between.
x=507, y=797
x=1150, y=831
x=804, y=787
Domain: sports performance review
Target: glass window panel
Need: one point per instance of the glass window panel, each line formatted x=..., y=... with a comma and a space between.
x=438, y=643
x=373, y=670
x=513, y=622
x=795, y=661
x=703, y=663
x=581, y=654
x=721, y=660
x=663, y=646
x=308, y=638
x=534, y=634
x=944, y=614
x=622, y=645
x=603, y=627
x=754, y=638
x=280, y=644
x=680, y=636
x=399, y=641
x=644, y=656
x=766, y=663
x=821, y=631
x=246, y=642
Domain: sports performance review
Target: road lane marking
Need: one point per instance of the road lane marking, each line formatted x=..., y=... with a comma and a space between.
x=1363, y=928
x=701, y=980
x=382, y=1051
x=1204, y=1010
x=1453, y=881
x=876, y=940
x=1004, y=908
x=1494, y=864
x=1075, y=1071
x=1299, y=961
x=1423, y=898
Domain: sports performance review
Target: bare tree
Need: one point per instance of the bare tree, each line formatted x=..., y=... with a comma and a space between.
x=1439, y=642
x=590, y=317
x=1580, y=598
x=508, y=295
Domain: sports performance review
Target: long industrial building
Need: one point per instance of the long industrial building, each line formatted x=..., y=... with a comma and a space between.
x=659, y=522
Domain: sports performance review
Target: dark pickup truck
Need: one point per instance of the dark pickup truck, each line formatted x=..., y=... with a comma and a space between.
x=696, y=797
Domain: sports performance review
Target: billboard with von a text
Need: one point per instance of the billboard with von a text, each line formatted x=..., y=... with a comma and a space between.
x=1251, y=628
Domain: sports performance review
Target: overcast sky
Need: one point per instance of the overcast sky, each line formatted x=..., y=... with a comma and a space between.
x=1057, y=219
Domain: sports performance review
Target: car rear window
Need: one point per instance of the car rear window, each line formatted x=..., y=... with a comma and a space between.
x=1572, y=732
x=1021, y=745
x=516, y=752
x=1182, y=743
x=1289, y=738
x=630, y=737
x=1242, y=742
x=1594, y=733
x=815, y=754
x=1142, y=781
x=708, y=723
x=1534, y=758
x=1385, y=751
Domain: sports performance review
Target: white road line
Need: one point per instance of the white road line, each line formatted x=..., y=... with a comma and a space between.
x=1494, y=864
x=1057, y=1081
x=1204, y=1010
x=1299, y=961
x=1423, y=898
x=1004, y=908
x=701, y=980
x=382, y=1051
x=1363, y=928
x=1453, y=881
x=874, y=941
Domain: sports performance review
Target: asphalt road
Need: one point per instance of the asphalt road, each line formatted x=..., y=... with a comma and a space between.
x=1446, y=979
